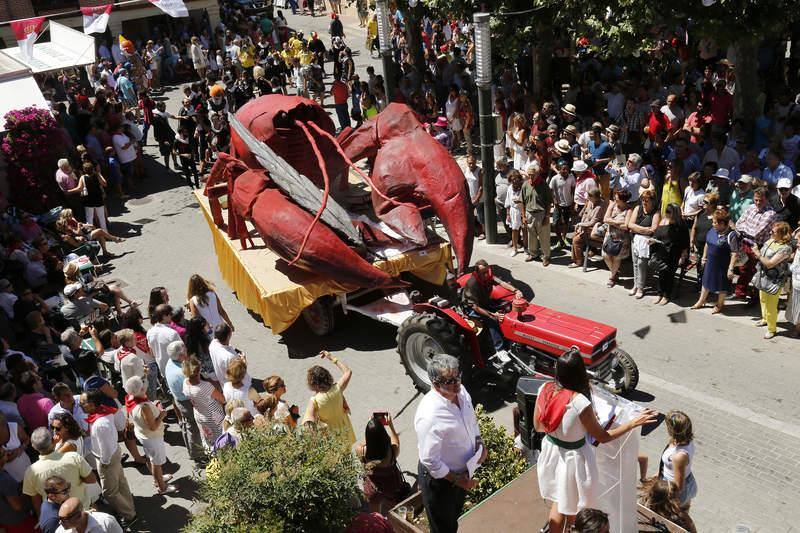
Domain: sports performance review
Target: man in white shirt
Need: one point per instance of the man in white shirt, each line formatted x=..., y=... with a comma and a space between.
x=674, y=112
x=222, y=353
x=105, y=448
x=448, y=437
x=74, y=519
x=629, y=178
x=125, y=147
x=7, y=298
x=724, y=156
x=161, y=335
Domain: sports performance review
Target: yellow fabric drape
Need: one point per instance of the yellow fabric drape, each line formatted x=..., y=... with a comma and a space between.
x=278, y=293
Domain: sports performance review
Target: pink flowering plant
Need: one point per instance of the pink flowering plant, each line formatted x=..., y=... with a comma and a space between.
x=31, y=147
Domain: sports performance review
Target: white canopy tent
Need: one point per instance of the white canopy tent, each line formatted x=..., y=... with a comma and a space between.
x=67, y=48
x=18, y=89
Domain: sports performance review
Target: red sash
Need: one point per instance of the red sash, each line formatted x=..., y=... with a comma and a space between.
x=552, y=406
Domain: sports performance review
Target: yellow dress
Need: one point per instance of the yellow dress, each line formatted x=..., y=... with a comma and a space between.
x=372, y=32
x=670, y=194
x=330, y=411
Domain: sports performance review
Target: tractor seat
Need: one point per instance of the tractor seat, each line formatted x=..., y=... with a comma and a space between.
x=441, y=303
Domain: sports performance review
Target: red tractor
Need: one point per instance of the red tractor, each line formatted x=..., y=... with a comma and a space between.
x=537, y=337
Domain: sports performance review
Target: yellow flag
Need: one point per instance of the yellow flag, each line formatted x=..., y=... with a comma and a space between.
x=121, y=39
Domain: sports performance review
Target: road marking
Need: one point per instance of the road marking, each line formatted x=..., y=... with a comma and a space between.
x=731, y=408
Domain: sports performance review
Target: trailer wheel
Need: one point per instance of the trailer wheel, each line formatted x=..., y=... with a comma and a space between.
x=419, y=338
x=319, y=316
x=624, y=372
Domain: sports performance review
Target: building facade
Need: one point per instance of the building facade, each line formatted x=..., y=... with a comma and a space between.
x=131, y=17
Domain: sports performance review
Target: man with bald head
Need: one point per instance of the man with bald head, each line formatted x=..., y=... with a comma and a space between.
x=75, y=520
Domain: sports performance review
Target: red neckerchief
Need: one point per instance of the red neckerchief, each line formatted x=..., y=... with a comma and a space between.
x=585, y=176
x=552, y=406
x=489, y=283
x=123, y=353
x=131, y=402
x=102, y=410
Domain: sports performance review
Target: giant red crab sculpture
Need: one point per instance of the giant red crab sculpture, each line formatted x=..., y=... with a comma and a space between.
x=284, y=161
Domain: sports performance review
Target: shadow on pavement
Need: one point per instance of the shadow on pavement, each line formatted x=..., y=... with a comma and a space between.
x=352, y=331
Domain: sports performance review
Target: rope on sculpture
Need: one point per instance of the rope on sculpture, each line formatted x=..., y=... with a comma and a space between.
x=325, y=192
x=358, y=170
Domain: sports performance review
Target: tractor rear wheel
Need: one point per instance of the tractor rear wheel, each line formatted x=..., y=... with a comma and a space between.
x=420, y=337
x=320, y=316
x=624, y=373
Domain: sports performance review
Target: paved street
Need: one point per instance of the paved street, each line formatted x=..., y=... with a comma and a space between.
x=739, y=390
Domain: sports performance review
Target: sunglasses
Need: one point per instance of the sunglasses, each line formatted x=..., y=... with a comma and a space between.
x=54, y=492
x=448, y=381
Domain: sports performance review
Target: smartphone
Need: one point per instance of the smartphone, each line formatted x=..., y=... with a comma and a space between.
x=382, y=417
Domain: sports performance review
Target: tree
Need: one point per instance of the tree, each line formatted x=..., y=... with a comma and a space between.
x=630, y=27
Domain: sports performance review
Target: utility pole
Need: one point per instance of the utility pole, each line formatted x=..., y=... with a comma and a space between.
x=483, y=78
x=385, y=46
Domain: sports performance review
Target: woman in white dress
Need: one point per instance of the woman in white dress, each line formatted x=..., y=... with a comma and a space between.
x=235, y=388
x=514, y=206
x=452, y=110
x=566, y=467
x=198, y=56
x=68, y=437
x=518, y=139
x=204, y=302
x=793, y=301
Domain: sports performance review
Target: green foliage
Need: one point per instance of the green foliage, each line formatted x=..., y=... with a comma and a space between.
x=280, y=482
x=503, y=463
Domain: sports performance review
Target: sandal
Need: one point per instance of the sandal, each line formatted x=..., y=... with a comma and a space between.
x=611, y=282
x=769, y=334
x=716, y=310
x=761, y=323
x=697, y=306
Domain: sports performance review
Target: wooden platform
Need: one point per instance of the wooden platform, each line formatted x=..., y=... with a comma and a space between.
x=516, y=507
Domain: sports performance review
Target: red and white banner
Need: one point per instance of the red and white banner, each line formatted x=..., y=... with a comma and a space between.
x=173, y=8
x=26, y=31
x=95, y=19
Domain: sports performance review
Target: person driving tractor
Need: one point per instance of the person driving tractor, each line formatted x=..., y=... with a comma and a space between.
x=477, y=299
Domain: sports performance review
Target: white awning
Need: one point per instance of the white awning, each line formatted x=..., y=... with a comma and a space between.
x=67, y=48
x=18, y=93
x=18, y=89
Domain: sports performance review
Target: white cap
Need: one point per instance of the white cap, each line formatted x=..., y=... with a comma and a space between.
x=784, y=183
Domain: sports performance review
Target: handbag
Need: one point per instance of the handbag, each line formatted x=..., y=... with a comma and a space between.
x=768, y=280
x=612, y=247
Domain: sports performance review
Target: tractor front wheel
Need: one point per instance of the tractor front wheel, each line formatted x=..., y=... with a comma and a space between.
x=421, y=337
x=624, y=372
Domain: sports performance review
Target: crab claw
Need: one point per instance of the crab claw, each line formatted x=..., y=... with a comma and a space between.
x=415, y=172
x=283, y=225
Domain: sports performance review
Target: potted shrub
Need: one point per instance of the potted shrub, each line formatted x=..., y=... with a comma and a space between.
x=280, y=482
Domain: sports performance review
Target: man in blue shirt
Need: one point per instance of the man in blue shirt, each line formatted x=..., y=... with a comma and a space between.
x=775, y=170
x=57, y=490
x=184, y=411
